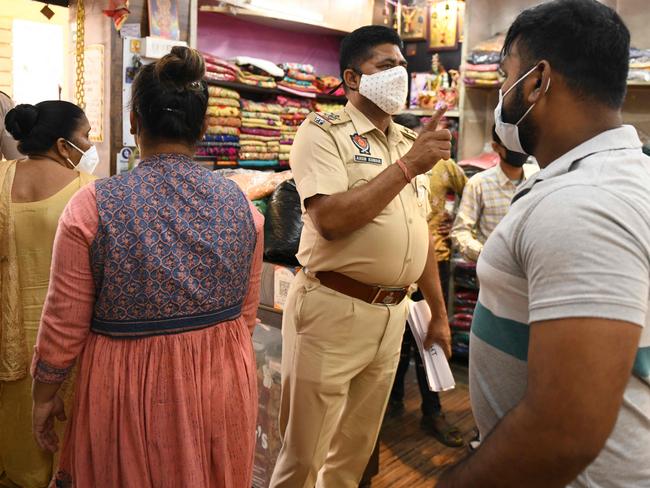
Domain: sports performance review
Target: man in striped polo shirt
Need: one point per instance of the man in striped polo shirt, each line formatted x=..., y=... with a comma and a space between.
x=560, y=346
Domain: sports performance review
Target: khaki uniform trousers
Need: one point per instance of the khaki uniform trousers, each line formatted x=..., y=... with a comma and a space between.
x=339, y=357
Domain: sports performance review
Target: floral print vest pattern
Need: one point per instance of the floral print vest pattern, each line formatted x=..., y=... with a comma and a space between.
x=173, y=249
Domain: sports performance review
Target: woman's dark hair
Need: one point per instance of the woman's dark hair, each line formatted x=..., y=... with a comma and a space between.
x=38, y=127
x=170, y=97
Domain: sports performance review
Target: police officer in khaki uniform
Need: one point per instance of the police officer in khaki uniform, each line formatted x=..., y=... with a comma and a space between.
x=365, y=240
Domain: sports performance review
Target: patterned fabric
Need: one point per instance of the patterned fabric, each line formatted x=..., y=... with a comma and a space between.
x=168, y=257
x=446, y=177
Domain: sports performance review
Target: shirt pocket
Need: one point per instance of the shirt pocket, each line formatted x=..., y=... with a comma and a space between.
x=360, y=173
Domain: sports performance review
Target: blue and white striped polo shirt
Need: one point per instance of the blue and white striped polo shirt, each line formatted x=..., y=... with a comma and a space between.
x=575, y=243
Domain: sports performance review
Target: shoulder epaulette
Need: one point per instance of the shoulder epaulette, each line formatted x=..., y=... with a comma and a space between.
x=409, y=133
x=325, y=120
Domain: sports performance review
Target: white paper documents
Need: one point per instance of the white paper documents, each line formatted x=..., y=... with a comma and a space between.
x=438, y=371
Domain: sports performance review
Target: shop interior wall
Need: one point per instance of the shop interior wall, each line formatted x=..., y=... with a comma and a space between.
x=484, y=19
x=11, y=10
x=227, y=37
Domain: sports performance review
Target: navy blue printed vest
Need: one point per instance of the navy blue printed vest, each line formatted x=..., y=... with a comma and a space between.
x=173, y=249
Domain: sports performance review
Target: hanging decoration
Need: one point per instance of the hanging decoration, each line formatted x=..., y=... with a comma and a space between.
x=118, y=10
x=414, y=23
x=443, y=24
x=79, y=55
x=461, y=20
x=163, y=19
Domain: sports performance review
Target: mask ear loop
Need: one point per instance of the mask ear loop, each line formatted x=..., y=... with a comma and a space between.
x=533, y=105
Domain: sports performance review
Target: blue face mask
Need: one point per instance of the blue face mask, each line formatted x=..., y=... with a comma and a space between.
x=507, y=132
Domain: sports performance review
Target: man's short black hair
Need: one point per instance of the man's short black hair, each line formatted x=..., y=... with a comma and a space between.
x=357, y=45
x=583, y=40
x=409, y=121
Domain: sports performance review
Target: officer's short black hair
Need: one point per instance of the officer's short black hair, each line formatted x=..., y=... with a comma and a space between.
x=357, y=45
x=408, y=120
x=583, y=40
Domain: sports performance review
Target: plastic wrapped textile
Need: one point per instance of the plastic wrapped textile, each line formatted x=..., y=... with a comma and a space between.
x=257, y=184
x=478, y=57
x=220, y=76
x=304, y=68
x=283, y=225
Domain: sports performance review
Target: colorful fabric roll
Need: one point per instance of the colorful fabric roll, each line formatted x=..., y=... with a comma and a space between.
x=223, y=102
x=217, y=129
x=221, y=111
x=219, y=92
x=261, y=132
x=225, y=121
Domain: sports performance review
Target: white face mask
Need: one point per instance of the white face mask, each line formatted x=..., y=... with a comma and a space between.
x=386, y=89
x=507, y=132
x=89, y=159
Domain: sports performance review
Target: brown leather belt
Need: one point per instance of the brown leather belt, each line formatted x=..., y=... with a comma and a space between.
x=356, y=289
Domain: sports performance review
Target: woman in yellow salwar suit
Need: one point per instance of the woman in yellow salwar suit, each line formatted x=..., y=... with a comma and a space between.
x=33, y=193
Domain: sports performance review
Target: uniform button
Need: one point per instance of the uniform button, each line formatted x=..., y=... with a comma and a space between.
x=410, y=221
x=408, y=260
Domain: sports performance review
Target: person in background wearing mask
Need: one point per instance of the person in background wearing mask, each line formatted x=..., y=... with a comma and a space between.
x=154, y=293
x=445, y=177
x=487, y=197
x=34, y=192
x=560, y=343
x=8, y=145
x=365, y=240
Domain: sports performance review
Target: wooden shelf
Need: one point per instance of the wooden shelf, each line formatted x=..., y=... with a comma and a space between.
x=426, y=112
x=638, y=84
x=256, y=90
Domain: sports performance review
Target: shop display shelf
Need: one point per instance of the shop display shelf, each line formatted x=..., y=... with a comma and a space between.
x=256, y=90
x=638, y=84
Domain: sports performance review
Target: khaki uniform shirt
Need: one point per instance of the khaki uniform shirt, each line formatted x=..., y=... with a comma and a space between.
x=335, y=152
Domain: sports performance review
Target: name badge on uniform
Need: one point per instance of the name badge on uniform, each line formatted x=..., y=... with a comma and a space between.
x=366, y=159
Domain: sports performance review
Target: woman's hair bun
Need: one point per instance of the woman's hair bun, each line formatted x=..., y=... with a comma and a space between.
x=181, y=67
x=21, y=120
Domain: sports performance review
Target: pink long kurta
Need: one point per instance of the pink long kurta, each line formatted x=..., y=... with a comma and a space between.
x=165, y=411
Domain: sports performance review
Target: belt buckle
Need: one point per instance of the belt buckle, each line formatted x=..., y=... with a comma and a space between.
x=390, y=298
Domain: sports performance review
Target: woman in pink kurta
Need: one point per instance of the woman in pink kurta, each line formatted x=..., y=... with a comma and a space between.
x=153, y=294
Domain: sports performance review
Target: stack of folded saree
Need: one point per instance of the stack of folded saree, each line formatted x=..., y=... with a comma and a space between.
x=224, y=123
x=260, y=134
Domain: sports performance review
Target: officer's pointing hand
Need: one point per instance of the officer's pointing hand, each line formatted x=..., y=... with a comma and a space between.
x=431, y=146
